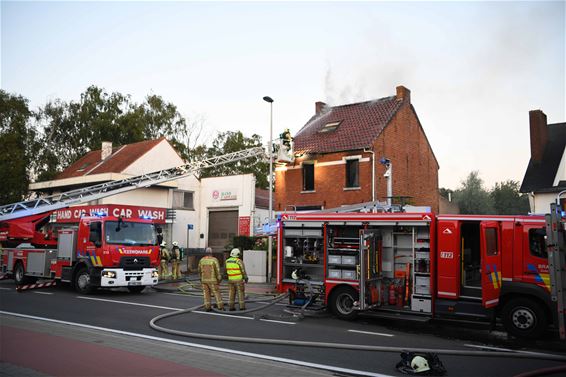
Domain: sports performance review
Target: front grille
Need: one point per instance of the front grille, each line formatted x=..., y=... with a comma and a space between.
x=134, y=263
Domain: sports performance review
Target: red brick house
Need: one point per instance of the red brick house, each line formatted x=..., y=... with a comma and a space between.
x=336, y=149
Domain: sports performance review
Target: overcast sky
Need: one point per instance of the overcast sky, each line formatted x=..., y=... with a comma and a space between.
x=474, y=69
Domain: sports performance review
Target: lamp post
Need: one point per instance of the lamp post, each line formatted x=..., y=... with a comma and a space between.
x=270, y=152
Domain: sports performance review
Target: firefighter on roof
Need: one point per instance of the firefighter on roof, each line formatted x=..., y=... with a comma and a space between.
x=209, y=272
x=164, y=256
x=236, y=276
x=176, y=261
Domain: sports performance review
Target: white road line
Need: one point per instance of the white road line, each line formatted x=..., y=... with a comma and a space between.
x=179, y=309
x=489, y=348
x=371, y=333
x=6, y=289
x=202, y=346
x=43, y=293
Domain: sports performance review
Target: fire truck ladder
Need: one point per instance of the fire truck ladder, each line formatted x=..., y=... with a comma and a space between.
x=102, y=190
x=556, y=248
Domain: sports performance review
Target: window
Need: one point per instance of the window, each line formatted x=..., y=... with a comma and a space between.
x=491, y=242
x=308, y=177
x=329, y=127
x=352, y=173
x=183, y=200
x=537, y=243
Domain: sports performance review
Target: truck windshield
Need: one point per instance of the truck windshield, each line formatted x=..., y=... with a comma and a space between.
x=130, y=233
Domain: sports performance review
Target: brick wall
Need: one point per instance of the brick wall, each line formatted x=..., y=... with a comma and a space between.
x=415, y=170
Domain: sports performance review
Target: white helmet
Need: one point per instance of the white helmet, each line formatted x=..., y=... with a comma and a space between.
x=163, y=244
x=175, y=243
x=419, y=364
x=235, y=253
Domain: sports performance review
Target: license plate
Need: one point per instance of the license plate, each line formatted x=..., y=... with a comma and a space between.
x=134, y=283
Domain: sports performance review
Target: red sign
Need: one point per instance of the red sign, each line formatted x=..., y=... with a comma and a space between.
x=73, y=214
x=244, y=226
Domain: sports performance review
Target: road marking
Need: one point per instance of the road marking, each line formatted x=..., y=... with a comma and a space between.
x=5, y=289
x=179, y=309
x=506, y=350
x=202, y=346
x=371, y=333
x=43, y=293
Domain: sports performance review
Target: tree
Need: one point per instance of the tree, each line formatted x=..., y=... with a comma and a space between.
x=234, y=141
x=72, y=129
x=472, y=198
x=19, y=146
x=507, y=200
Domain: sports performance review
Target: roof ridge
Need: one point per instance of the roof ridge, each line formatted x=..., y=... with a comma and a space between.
x=383, y=99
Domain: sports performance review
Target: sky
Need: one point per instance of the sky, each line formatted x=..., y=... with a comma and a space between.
x=474, y=69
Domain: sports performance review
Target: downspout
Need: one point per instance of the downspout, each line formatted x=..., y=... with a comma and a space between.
x=372, y=174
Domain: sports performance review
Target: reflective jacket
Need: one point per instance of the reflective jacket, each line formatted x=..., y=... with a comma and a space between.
x=176, y=253
x=209, y=270
x=235, y=269
x=164, y=253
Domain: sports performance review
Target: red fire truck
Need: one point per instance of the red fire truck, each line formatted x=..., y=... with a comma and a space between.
x=420, y=265
x=99, y=250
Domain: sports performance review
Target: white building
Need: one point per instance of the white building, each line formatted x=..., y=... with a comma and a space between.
x=195, y=212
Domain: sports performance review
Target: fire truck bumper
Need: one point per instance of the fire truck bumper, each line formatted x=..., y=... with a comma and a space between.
x=117, y=277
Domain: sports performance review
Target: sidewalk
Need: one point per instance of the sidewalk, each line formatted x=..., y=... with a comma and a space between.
x=173, y=286
x=37, y=348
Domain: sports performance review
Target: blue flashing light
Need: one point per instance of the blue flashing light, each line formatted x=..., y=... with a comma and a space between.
x=563, y=213
x=146, y=217
x=100, y=214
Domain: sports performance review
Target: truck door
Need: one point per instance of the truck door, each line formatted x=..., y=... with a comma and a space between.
x=370, y=268
x=491, y=263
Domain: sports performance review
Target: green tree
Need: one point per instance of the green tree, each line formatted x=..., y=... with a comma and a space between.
x=507, y=200
x=471, y=196
x=74, y=128
x=19, y=146
x=234, y=141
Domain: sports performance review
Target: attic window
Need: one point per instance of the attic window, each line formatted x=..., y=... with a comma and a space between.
x=329, y=127
x=83, y=167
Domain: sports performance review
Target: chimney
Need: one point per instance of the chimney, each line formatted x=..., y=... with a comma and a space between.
x=403, y=93
x=319, y=106
x=539, y=134
x=106, y=150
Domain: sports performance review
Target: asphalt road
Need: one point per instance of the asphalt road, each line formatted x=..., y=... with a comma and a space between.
x=122, y=311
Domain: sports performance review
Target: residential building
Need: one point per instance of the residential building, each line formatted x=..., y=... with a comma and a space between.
x=338, y=153
x=546, y=173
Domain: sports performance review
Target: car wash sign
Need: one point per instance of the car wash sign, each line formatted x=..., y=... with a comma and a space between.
x=73, y=214
x=222, y=195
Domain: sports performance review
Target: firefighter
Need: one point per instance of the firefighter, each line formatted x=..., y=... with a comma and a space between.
x=236, y=277
x=176, y=261
x=210, y=278
x=164, y=259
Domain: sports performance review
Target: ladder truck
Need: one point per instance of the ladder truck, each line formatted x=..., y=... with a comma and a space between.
x=423, y=266
x=100, y=251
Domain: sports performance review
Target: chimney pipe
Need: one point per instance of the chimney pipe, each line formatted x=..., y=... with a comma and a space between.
x=403, y=93
x=539, y=134
x=319, y=107
x=106, y=150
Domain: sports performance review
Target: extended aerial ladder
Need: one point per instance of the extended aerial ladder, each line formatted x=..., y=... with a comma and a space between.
x=102, y=190
x=556, y=248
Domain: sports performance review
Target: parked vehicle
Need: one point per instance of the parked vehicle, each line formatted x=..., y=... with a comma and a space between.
x=420, y=266
x=99, y=251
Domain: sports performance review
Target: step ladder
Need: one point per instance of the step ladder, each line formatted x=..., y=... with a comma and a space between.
x=556, y=248
x=102, y=190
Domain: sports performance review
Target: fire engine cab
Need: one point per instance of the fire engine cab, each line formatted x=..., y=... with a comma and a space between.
x=420, y=265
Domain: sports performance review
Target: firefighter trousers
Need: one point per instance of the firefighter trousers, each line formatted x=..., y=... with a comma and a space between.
x=163, y=269
x=176, y=269
x=208, y=288
x=239, y=287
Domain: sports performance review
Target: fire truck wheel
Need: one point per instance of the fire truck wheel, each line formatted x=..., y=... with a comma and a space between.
x=136, y=289
x=82, y=281
x=524, y=318
x=20, y=275
x=342, y=303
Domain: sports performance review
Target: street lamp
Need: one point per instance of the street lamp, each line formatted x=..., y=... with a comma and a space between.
x=270, y=152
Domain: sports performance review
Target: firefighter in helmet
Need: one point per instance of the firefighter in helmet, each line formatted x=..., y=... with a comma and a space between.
x=163, y=260
x=210, y=278
x=176, y=261
x=236, y=277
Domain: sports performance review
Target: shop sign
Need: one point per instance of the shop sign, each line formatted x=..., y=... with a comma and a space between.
x=73, y=214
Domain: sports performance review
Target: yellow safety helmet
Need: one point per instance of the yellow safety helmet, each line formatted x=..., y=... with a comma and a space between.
x=235, y=253
x=419, y=364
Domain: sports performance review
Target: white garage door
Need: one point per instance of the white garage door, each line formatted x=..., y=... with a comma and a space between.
x=222, y=227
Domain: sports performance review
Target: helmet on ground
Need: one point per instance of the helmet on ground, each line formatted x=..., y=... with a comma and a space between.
x=163, y=244
x=235, y=253
x=175, y=243
x=208, y=250
x=419, y=364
